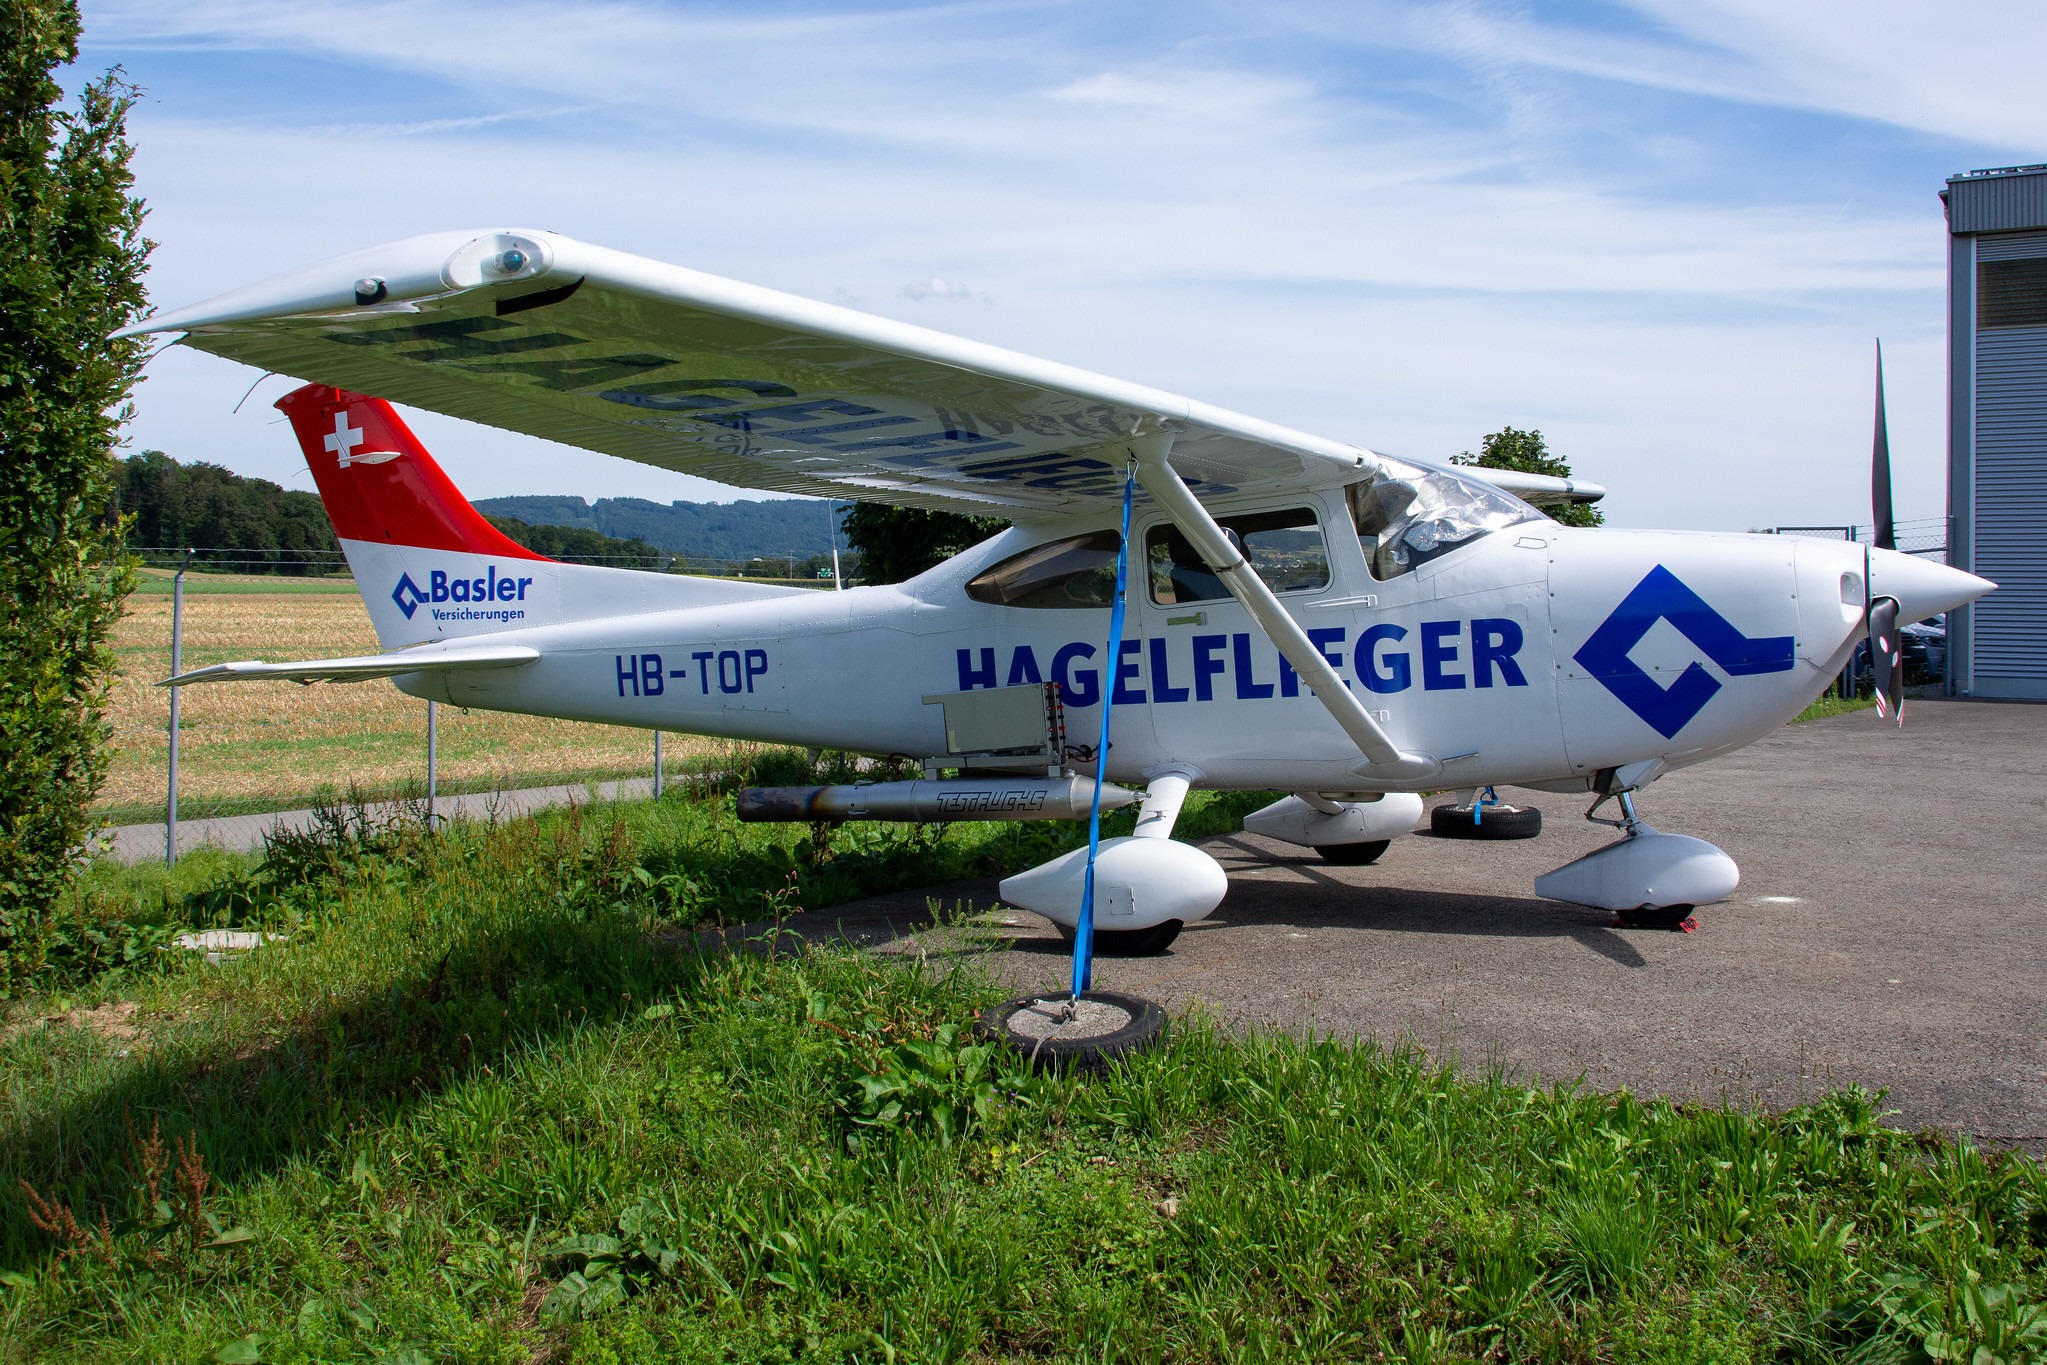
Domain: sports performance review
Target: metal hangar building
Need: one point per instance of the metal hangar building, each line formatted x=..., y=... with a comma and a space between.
x=1997, y=428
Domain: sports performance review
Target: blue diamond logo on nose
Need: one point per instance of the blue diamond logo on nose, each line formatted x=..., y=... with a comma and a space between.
x=1662, y=596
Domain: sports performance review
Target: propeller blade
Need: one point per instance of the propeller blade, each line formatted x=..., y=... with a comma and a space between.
x=1886, y=662
x=1884, y=528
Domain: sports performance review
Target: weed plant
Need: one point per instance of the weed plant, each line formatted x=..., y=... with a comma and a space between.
x=484, y=1105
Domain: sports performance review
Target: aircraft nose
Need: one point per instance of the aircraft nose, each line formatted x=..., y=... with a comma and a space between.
x=1921, y=587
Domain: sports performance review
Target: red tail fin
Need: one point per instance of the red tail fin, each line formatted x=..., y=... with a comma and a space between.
x=378, y=482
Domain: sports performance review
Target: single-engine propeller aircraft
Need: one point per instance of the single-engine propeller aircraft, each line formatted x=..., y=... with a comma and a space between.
x=1302, y=615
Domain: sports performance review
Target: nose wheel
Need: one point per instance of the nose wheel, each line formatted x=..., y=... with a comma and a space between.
x=1649, y=879
x=1674, y=917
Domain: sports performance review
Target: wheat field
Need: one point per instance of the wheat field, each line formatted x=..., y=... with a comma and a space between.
x=269, y=745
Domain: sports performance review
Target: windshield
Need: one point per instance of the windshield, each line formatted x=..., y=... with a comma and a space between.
x=1407, y=515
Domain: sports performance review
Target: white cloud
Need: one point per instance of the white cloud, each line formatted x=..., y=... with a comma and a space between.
x=1968, y=69
x=1267, y=224
x=938, y=287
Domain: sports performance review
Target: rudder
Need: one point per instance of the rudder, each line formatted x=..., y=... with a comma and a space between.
x=427, y=563
x=429, y=566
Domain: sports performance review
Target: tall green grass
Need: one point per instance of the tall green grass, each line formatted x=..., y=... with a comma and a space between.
x=485, y=1105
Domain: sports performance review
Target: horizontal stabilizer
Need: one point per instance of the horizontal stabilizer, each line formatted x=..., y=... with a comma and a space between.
x=362, y=668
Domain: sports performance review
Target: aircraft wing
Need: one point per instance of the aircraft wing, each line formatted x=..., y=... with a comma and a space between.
x=1541, y=489
x=539, y=333
x=363, y=667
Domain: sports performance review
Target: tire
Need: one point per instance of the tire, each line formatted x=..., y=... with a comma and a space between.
x=1497, y=822
x=1147, y=1027
x=1129, y=942
x=1354, y=855
x=1677, y=917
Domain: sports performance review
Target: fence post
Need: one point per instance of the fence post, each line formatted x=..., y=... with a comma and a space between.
x=831, y=522
x=657, y=765
x=433, y=757
x=170, y=824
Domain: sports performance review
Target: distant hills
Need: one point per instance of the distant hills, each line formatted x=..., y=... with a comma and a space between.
x=254, y=525
x=740, y=531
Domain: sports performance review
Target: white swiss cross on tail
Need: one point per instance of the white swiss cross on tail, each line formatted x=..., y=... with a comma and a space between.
x=345, y=438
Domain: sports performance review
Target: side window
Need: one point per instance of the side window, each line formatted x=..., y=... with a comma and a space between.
x=1079, y=571
x=1284, y=549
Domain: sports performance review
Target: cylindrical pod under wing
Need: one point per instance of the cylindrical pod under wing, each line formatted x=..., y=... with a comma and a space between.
x=924, y=800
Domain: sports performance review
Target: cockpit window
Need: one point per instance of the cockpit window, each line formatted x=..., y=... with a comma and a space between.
x=1079, y=571
x=1407, y=516
x=1283, y=548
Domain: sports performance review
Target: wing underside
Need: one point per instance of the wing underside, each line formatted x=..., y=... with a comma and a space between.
x=545, y=335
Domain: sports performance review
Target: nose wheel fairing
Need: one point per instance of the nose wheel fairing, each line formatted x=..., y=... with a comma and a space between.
x=1649, y=879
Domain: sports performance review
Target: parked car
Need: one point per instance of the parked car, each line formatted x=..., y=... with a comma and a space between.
x=1924, y=646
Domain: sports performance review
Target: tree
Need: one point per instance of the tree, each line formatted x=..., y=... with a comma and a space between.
x=71, y=274
x=1529, y=453
x=896, y=543
x=172, y=506
x=579, y=544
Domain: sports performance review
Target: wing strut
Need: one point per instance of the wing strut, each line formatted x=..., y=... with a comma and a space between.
x=1382, y=758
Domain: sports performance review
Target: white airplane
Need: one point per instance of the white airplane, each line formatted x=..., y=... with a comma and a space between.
x=1303, y=615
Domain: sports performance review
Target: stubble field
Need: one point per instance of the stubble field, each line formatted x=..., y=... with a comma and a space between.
x=271, y=745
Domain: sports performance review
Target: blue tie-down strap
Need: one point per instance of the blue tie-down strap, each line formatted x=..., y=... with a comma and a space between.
x=1084, y=933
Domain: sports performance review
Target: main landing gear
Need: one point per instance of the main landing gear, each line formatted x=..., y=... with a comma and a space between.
x=1484, y=816
x=1649, y=879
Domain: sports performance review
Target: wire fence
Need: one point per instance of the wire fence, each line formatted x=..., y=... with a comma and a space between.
x=1924, y=536
x=284, y=748
x=312, y=563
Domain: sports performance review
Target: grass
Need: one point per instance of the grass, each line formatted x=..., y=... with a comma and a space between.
x=1831, y=703
x=276, y=745
x=485, y=1104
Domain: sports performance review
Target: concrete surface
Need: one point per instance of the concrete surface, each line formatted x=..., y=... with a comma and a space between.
x=1888, y=932
x=244, y=833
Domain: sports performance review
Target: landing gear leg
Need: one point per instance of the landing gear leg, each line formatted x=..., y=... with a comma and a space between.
x=1649, y=879
x=1163, y=798
x=1678, y=917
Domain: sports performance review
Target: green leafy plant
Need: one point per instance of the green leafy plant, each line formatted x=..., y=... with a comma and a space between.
x=1971, y=1324
x=611, y=1266
x=948, y=1084
x=70, y=277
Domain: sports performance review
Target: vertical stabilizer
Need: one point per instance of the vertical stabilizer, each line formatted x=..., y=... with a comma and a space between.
x=428, y=565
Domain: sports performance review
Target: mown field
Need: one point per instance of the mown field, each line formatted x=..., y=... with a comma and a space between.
x=274, y=745
x=487, y=1102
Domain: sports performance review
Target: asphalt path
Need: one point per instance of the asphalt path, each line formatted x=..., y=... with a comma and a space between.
x=1887, y=932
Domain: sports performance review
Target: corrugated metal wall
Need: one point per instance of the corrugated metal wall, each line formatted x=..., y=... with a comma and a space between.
x=2012, y=246
x=1997, y=203
x=2010, y=496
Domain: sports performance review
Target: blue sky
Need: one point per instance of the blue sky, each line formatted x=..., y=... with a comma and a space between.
x=1665, y=232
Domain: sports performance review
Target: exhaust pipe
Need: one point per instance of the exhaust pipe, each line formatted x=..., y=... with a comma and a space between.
x=927, y=800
